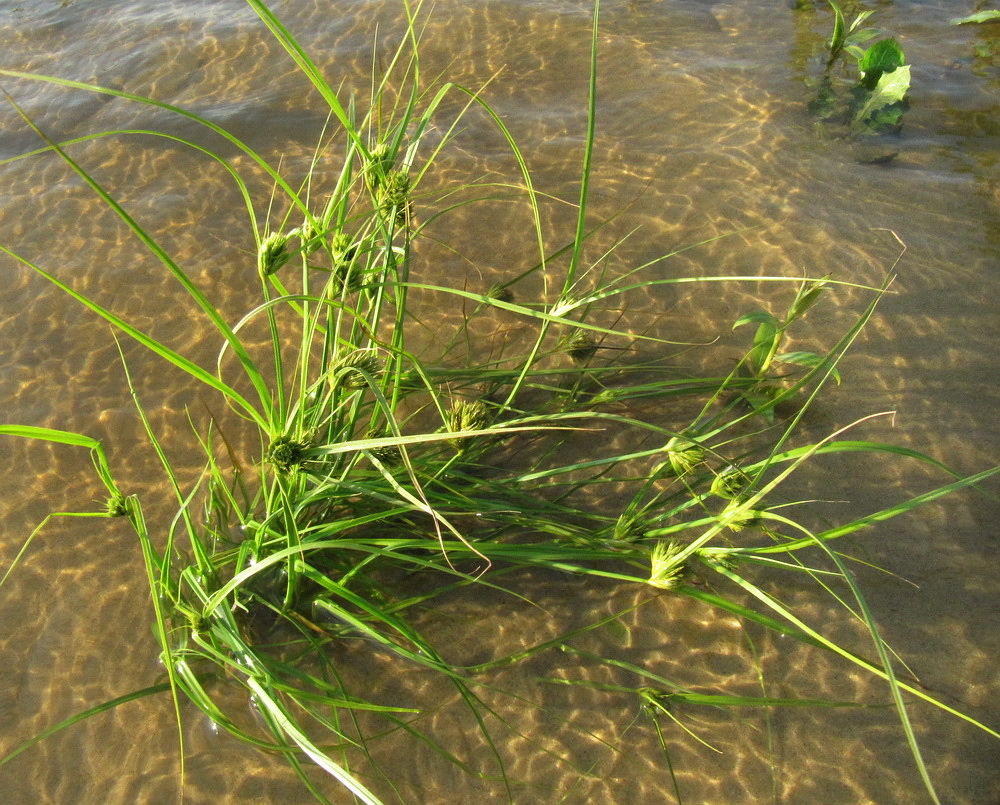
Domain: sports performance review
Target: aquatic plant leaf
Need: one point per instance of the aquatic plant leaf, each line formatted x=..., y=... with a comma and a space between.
x=810, y=359
x=884, y=56
x=83, y=715
x=807, y=296
x=876, y=114
x=760, y=316
x=765, y=343
x=837, y=38
x=49, y=435
x=856, y=51
x=867, y=32
x=980, y=16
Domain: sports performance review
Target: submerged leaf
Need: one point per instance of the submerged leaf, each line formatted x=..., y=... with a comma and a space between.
x=808, y=359
x=980, y=16
x=883, y=108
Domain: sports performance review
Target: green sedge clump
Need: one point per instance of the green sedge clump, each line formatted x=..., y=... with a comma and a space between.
x=341, y=525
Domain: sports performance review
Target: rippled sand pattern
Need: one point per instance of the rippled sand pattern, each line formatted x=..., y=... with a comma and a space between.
x=702, y=137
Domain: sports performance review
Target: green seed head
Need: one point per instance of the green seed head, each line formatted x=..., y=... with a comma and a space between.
x=500, y=292
x=394, y=194
x=349, y=371
x=272, y=254
x=310, y=238
x=579, y=345
x=117, y=506
x=469, y=415
x=285, y=453
x=378, y=166
x=684, y=455
x=665, y=571
x=739, y=516
x=344, y=250
x=628, y=528
x=730, y=482
x=389, y=455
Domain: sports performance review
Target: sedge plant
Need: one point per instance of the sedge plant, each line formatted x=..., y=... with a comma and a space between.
x=370, y=461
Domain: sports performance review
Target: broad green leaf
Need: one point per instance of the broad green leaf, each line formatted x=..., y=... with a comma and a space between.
x=891, y=89
x=883, y=57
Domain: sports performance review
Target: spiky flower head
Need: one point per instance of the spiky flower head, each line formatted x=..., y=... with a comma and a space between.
x=739, y=516
x=393, y=194
x=378, y=165
x=579, y=345
x=286, y=453
x=309, y=236
x=500, y=292
x=468, y=415
x=665, y=567
x=628, y=527
x=806, y=297
x=272, y=253
x=730, y=482
x=344, y=250
x=117, y=506
x=349, y=370
x=684, y=455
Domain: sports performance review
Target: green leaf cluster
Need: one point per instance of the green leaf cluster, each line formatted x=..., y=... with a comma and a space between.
x=874, y=100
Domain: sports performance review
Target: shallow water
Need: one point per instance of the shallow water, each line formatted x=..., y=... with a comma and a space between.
x=702, y=132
